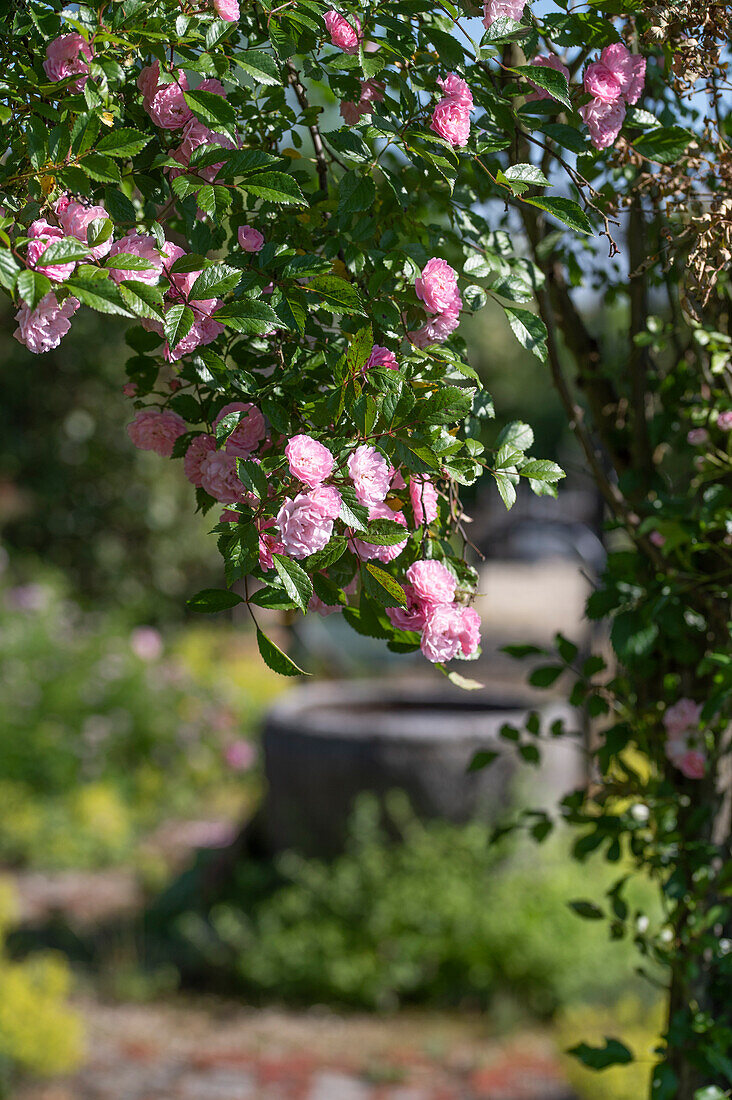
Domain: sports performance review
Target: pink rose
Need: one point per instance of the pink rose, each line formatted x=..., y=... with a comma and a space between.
x=724, y=421
x=372, y=91
x=137, y=244
x=129, y=389
x=199, y=447
x=442, y=632
x=601, y=83
x=168, y=108
x=366, y=550
x=43, y=235
x=469, y=631
x=397, y=481
x=249, y=432
x=195, y=134
x=43, y=328
x=382, y=357
x=697, y=436
x=328, y=499
x=220, y=479
x=456, y=89
x=410, y=617
x=370, y=474
x=432, y=583
x=551, y=61
x=227, y=9
x=204, y=330
x=342, y=33
x=451, y=121
x=269, y=544
x=437, y=286
x=66, y=56
x=627, y=68
x=436, y=330
x=502, y=9
x=212, y=85
x=682, y=716
x=604, y=121
x=692, y=764
x=304, y=526
x=423, y=496
x=250, y=240
x=310, y=462
x=156, y=430
x=75, y=220
x=148, y=80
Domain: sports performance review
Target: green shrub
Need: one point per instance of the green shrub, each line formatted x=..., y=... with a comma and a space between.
x=439, y=917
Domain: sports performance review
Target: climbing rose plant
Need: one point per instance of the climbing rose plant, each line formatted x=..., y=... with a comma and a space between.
x=296, y=205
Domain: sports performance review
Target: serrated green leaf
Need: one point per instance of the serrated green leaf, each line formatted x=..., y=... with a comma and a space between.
x=336, y=294
x=566, y=210
x=32, y=287
x=211, y=600
x=259, y=65
x=276, y=659
x=179, y=321
x=123, y=143
x=274, y=187
x=529, y=330
x=296, y=581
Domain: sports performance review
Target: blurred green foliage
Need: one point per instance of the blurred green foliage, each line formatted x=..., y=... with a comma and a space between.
x=106, y=730
x=39, y=1032
x=440, y=917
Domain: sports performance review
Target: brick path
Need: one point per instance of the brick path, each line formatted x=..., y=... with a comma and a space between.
x=216, y=1051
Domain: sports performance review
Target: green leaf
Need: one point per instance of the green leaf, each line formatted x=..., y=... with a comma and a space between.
x=212, y=109
x=296, y=581
x=482, y=760
x=526, y=173
x=386, y=590
x=103, y=295
x=448, y=405
x=545, y=676
x=123, y=143
x=210, y=600
x=274, y=187
x=32, y=287
x=356, y=192
x=666, y=145
x=67, y=250
x=519, y=435
x=128, y=261
x=360, y=349
x=276, y=659
x=9, y=268
x=613, y=1053
x=541, y=469
x=566, y=210
x=102, y=169
x=338, y=296
x=549, y=79
x=214, y=201
x=215, y=282
x=587, y=910
x=529, y=330
x=179, y=321
x=506, y=488
x=713, y=1092
x=252, y=475
x=249, y=316
x=384, y=532
x=353, y=513
x=259, y=65
x=143, y=299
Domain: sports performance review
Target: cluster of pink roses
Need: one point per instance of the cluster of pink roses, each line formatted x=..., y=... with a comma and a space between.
x=613, y=81
x=447, y=627
x=682, y=727
x=437, y=288
x=66, y=56
x=451, y=117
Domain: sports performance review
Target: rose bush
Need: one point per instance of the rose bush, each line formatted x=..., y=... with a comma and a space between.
x=296, y=276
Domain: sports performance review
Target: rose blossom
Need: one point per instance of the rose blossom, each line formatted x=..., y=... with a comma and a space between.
x=43, y=328
x=203, y=331
x=469, y=631
x=250, y=240
x=269, y=544
x=42, y=235
x=601, y=83
x=436, y=330
x=328, y=499
x=437, y=286
x=248, y=433
x=148, y=80
x=627, y=68
x=423, y=496
x=432, y=583
x=309, y=460
x=551, y=61
x=502, y=9
x=410, y=617
x=167, y=107
x=456, y=89
x=304, y=526
x=342, y=33
x=75, y=220
x=370, y=474
x=156, y=430
x=697, y=436
x=397, y=481
x=196, y=134
x=66, y=56
x=367, y=550
x=604, y=121
x=137, y=244
x=724, y=421
x=381, y=357
x=227, y=9
x=372, y=91
x=210, y=84
x=442, y=632
x=451, y=121
x=692, y=764
x=199, y=447
x=220, y=479
x=682, y=716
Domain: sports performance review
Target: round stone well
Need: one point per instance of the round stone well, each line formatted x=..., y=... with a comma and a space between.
x=326, y=743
